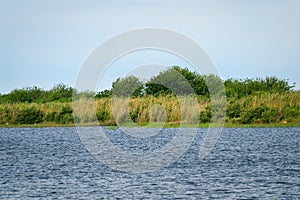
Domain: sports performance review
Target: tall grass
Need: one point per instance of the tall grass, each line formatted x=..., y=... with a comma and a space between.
x=256, y=108
x=265, y=108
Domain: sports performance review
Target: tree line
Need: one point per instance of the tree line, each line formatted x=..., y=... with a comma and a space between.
x=180, y=81
x=59, y=93
x=248, y=101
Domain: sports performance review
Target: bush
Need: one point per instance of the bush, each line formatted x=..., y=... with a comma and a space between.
x=65, y=116
x=270, y=115
x=291, y=113
x=5, y=115
x=260, y=114
x=128, y=86
x=240, y=88
x=103, y=94
x=234, y=110
x=29, y=116
x=51, y=117
x=103, y=115
x=205, y=116
x=66, y=119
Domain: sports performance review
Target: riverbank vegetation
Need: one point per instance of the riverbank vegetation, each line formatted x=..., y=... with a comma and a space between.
x=256, y=101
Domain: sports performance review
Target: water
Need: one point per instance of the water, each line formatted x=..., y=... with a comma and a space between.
x=245, y=164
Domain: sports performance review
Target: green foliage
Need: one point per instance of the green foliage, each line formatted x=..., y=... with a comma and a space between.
x=214, y=84
x=6, y=115
x=265, y=108
x=64, y=116
x=181, y=81
x=29, y=94
x=260, y=100
x=262, y=108
x=52, y=116
x=176, y=80
x=205, y=116
x=29, y=115
x=239, y=88
x=103, y=94
x=234, y=110
x=259, y=114
x=103, y=115
x=134, y=115
x=60, y=93
x=128, y=86
x=290, y=113
x=167, y=82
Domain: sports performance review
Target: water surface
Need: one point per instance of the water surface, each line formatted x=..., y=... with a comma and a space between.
x=245, y=163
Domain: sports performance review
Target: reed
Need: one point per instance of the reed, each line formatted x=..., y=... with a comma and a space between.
x=260, y=107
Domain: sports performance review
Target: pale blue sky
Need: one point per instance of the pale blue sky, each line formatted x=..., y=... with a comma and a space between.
x=45, y=42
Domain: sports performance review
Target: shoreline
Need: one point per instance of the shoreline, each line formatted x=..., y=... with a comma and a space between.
x=158, y=125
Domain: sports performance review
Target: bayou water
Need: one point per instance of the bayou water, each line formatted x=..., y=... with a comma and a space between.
x=246, y=163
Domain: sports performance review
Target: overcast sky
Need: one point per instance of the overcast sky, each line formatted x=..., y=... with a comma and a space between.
x=44, y=43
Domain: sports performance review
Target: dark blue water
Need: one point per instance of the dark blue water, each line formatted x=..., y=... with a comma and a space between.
x=261, y=163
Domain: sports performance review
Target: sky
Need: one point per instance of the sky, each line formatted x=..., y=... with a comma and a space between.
x=43, y=43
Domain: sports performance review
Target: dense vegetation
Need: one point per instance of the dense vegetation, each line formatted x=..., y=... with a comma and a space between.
x=249, y=101
x=59, y=93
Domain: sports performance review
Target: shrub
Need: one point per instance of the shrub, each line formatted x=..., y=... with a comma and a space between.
x=291, y=113
x=103, y=94
x=51, y=117
x=260, y=114
x=65, y=115
x=30, y=115
x=234, y=110
x=66, y=119
x=103, y=115
x=205, y=115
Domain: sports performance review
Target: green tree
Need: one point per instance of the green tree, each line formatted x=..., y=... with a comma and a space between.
x=239, y=88
x=196, y=81
x=103, y=94
x=128, y=86
x=170, y=81
x=28, y=94
x=182, y=81
x=20, y=95
x=61, y=93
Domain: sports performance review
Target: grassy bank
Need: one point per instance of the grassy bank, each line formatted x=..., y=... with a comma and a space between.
x=256, y=110
x=166, y=125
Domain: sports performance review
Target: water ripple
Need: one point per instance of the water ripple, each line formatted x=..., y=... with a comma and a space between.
x=245, y=164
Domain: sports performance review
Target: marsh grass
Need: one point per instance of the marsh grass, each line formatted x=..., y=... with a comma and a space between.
x=164, y=110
